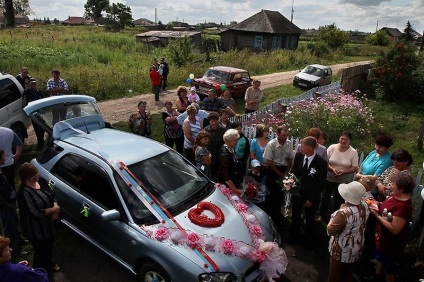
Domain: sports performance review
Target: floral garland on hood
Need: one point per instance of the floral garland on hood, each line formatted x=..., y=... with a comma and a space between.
x=272, y=258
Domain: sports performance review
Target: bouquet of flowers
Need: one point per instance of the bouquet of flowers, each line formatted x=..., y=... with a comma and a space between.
x=291, y=186
x=291, y=183
x=254, y=191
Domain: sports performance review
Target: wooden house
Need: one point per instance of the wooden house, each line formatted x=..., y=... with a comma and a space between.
x=264, y=31
x=393, y=33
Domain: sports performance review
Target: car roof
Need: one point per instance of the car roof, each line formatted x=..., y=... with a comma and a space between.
x=227, y=69
x=43, y=103
x=319, y=66
x=117, y=145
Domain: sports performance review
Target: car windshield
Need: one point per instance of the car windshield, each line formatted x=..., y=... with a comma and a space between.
x=69, y=110
x=216, y=75
x=313, y=71
x=172, y=180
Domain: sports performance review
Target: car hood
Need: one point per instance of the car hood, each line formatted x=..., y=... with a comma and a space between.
x=307, y=77
x=205, y=80
x=234, y=228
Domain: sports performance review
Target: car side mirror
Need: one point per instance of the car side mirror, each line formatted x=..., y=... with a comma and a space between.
x=110, y=215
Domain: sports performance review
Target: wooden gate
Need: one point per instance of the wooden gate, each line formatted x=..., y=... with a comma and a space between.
x=354, y=77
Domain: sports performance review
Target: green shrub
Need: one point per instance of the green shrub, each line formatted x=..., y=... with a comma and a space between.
x=397, y=74
x=319, y=48
x=379, y=38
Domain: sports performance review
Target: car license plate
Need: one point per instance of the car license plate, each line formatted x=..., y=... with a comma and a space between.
x=302, y=84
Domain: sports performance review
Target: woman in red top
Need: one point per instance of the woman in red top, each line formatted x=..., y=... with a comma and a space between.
x=155, y=80
x=391, y=235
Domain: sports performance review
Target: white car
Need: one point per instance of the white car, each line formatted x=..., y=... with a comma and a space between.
x=313, y=76
x=11, y=101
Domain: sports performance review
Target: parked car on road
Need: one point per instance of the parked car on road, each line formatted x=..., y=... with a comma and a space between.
x=313, y=76
x=234, y=79
x=143, y=204
x=11, y=101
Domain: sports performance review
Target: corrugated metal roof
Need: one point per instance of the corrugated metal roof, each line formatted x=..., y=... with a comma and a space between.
x=268, y=22
x=167, y=33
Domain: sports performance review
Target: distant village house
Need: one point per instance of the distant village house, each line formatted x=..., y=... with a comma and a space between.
x=161, y=38
x=264, y=31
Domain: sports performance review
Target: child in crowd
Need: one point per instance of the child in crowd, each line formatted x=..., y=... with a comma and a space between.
x=193, y=97
x=257, y=177
x=202, y=156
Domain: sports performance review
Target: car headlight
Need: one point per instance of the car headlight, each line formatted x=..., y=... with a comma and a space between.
x=217, y=277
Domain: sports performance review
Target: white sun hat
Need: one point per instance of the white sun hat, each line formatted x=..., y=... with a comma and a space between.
x=352, y=192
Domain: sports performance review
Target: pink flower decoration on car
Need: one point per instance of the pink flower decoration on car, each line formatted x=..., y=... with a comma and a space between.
x=256, y=230
x=227, y=247
x=242, y=207
x=258, y=256
x=193, y=240
x=160, y=233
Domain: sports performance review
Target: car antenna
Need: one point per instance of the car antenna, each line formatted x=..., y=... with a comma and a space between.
x=87, y=131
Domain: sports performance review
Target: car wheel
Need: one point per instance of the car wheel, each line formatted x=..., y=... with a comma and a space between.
x=149, y=272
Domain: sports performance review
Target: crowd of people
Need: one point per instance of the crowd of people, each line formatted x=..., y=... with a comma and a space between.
x=352, y=198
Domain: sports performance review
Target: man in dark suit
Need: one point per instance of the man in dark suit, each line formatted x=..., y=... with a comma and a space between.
x=311, y=169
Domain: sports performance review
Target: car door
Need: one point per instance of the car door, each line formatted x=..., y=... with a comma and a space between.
x=67, y=175
x=99, y=194
x=10, y=102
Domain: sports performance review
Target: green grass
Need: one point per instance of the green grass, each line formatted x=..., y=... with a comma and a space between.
x=107, y=65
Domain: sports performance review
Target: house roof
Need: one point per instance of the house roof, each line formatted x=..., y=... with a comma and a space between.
x=19, y=19
x=167, y=33
x=268, y=22
x=74, y=20
x=143, y=22
x=392, y=31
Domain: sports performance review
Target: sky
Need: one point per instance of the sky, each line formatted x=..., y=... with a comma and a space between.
x=361, y=15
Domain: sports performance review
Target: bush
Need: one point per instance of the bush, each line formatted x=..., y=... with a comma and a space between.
x=333, y=36
x=319, y=48
x=332, y=114
x=379, y=38
x=396, y=73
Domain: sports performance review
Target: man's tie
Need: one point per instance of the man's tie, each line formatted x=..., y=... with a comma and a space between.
x=305, y=165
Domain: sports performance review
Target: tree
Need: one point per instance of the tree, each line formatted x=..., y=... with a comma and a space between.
x=9, y=13
x=399, y=73
x=181, y=51
x=94, y=8
x=20, y=7
x=333, y=36
x=118, y=16
x=408, y=35
x=379, y=38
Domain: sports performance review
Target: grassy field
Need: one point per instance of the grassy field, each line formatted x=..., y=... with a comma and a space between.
x=112, y=65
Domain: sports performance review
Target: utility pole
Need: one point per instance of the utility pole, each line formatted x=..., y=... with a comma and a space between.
x=156, y=16
x=291, y=23
x=376, y=29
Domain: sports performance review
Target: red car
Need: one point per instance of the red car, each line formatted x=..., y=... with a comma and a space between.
x=221, y=78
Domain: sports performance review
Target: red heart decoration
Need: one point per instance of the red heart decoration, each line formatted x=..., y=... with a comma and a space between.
x=196, y=216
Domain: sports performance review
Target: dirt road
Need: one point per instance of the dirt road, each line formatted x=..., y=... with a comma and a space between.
x=119, y=109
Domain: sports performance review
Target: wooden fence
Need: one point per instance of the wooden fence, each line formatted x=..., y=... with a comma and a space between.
x=354, y=77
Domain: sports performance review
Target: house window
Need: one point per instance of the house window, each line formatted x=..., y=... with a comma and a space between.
x=258, y=42
x=277, y=42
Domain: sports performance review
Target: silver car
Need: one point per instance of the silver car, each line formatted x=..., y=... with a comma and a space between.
x=142, y=203
x=313, y=76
